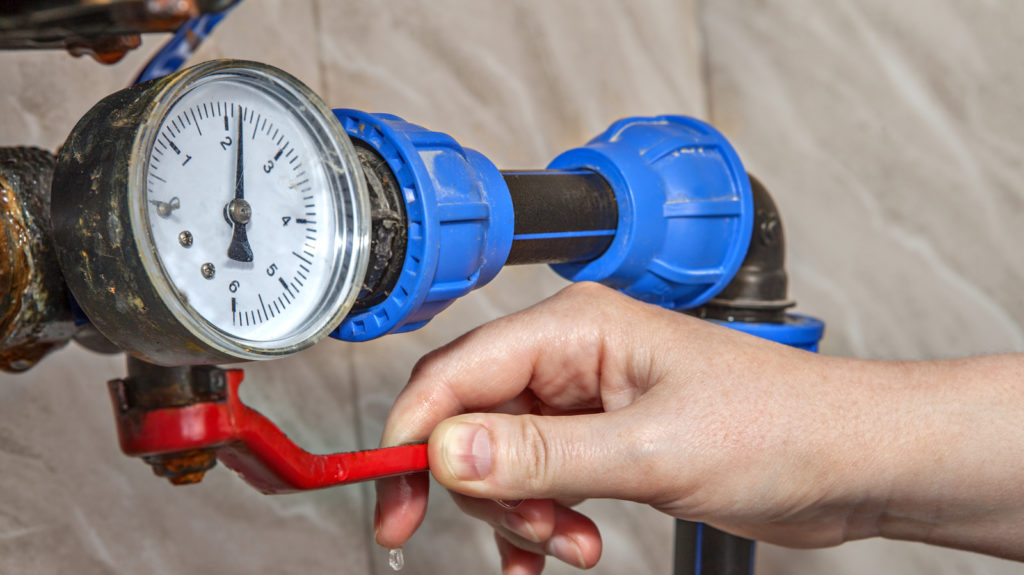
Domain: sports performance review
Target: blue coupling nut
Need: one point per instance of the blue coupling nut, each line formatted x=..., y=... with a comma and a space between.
x=460, y=222
x=799, y=331
x=685, y=209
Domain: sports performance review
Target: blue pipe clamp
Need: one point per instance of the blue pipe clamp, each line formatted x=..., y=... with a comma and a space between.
x=460, y=222
x=686, y=211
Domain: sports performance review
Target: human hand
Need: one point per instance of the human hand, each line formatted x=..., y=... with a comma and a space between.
x=593, y=394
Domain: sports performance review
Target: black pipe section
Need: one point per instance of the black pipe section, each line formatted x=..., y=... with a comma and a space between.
x=388, y=228
x=756, y=294
x=560, y=216
x=701, y=549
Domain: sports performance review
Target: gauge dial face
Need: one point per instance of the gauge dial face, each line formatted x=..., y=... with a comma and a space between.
x=256, y=222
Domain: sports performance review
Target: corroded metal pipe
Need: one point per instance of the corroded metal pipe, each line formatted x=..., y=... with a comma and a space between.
x=35, y=315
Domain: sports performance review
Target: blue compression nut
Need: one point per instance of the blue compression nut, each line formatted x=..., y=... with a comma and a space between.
x=799, y=331
x=460, y=222
x=686, y=211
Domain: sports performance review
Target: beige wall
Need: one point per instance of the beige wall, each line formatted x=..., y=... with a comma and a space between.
x=888, y=132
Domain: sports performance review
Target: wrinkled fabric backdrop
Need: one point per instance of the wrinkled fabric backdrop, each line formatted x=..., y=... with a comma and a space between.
x=890, y=133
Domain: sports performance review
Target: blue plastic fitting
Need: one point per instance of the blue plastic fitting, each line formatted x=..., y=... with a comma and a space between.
x=799, y=331
x=685, y=215
x=685, y=209
x=460, y=222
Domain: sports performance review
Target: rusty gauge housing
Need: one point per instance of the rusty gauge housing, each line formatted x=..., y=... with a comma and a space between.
x=215, y=215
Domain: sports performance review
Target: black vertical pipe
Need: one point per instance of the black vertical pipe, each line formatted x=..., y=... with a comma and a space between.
x=757, y=294
x=700, y=549
x=560, y=216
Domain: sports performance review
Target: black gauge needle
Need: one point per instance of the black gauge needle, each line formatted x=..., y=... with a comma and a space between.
x=238, y=210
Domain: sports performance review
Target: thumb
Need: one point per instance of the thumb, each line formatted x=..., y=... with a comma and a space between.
x=498, y=456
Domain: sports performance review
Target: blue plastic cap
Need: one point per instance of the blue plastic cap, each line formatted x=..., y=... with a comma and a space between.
x=799, y=331
x=460, y=220
x=686, y=211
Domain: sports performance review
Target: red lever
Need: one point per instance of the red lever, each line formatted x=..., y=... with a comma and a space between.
x=249, y=443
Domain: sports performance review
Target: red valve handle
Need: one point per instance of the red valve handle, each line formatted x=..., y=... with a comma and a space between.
x=253, y=446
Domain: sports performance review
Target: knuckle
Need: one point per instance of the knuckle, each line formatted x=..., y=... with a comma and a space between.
x=579, y=301
x=533, y=460
x=426, y=365
x=435, y=373
x=586, y=291
x=590, y=300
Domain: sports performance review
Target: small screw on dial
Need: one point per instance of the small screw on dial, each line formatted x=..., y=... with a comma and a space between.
x=208, y=270
x=239, y=211
x=185, y=239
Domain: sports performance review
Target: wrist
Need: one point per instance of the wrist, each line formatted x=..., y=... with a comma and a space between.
x=948, y=453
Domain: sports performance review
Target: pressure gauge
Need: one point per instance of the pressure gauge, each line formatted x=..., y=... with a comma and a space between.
x=217, y=214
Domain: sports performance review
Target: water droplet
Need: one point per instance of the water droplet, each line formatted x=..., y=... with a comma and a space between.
x=396, y=560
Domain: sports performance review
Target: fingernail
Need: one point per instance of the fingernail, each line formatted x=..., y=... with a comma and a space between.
x=467, y=451
x=521, y=527
x=376, y=520
x=565, y=549
x=509, y=503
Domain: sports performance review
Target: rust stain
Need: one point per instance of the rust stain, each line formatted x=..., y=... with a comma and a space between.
x=184, y=468
x=35, y=317
x=105, y=49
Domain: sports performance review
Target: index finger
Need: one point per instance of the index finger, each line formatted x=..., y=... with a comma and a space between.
x=556, y=348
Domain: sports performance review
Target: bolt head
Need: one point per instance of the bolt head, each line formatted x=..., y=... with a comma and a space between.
x=218, y=383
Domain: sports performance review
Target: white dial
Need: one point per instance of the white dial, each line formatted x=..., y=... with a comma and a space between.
x=255, y=224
